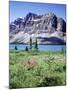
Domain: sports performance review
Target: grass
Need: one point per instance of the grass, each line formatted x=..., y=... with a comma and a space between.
x=36, y=69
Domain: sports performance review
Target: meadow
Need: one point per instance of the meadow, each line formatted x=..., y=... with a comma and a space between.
x=36, y=69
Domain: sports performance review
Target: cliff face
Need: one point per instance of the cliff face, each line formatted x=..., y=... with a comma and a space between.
x=48, y=28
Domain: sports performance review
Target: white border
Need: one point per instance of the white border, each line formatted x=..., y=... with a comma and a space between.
x=4, y=44
x=46, y=1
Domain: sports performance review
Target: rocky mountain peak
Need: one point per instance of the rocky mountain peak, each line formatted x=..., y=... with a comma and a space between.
x=48, y=24
x=18, y=21
x=29, y=17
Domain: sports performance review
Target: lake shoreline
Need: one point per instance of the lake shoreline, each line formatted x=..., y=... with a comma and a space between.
x=40, y=47
x=38, y=44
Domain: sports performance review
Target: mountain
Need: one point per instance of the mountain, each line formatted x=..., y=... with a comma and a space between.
x=47, y=28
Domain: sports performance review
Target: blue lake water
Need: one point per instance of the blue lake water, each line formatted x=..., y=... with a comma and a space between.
x=40, y=47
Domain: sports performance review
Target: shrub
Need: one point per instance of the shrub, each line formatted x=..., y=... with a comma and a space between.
x=35, y=69
x=64, y=67
x=53, y=80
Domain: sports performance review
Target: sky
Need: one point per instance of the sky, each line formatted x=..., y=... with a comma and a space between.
x=21, y=9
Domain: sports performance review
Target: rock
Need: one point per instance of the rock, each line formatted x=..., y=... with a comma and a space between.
x=48, y=25
x=61, y=25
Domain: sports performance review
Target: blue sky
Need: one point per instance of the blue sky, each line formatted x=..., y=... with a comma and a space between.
x=20, y=9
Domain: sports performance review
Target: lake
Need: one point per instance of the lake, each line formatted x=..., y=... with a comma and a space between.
x=41, y=47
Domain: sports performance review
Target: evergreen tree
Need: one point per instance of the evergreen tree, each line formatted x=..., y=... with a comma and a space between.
x=30, y=43
x=36, y=45
x=16, y=48
x=26, y=49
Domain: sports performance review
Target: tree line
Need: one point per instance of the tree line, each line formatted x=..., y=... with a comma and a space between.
x=31, y=45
